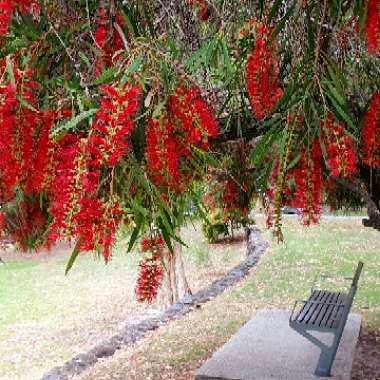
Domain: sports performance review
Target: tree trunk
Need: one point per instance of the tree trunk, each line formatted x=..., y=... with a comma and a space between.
x=175, y=285
x=183, y=287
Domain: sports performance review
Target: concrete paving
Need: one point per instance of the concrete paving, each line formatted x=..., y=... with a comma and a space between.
x=267, y=348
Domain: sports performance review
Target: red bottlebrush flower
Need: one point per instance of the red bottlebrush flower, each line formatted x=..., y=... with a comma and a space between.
x=114, y=124
x=187, y=121
x=62, y=186
x=9, y=166
x=3, y=220
x=372, y=26
x=43, y=155
x=262, y=76
x=371, y=133
x=149, y=280
x=108, y=40
x=230, y=193
x=6, y=11
x=151, y=270
x=155, y=245
x=342, y=158
x=202, y=9
x=309, y=184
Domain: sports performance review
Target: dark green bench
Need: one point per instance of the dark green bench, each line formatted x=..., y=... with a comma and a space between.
x=325, y=311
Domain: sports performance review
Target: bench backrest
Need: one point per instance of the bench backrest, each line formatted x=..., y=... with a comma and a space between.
x=357, y=274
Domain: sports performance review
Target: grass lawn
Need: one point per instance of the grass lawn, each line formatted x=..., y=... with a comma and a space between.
x=175, y=351
x=47, y=318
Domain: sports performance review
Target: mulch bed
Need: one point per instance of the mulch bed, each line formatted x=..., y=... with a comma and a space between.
x=367, y=359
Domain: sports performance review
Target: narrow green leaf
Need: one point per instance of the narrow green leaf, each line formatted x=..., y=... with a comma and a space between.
x=107, y=76
x=165, y=235
x=339, y=110
x=135, y=233
x=274, y=10
x=135, y=64
x=24, y=103
x=72, y=123
x=73, y=257
x=9, y=69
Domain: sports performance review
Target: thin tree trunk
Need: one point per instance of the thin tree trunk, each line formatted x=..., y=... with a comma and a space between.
x=182, y=283
x=175, y=285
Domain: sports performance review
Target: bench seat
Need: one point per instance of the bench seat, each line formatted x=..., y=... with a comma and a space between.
x=323, y=309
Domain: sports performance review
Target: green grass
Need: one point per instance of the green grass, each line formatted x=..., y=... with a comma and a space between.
x=285, y=274
x=47, y=318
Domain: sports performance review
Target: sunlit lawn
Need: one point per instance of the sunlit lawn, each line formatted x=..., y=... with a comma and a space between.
x=284, y=274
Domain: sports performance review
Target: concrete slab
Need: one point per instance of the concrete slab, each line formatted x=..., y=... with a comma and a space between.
x=267, y=348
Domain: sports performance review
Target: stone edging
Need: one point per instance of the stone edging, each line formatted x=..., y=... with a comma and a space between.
x=132, y=333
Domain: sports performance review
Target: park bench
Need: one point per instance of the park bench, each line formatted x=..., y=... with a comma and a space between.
x=325, y=311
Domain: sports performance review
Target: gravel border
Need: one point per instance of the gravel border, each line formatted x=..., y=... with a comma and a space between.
x=133, y=332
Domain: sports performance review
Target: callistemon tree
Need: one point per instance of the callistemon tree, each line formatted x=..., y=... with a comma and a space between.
x=109, y=111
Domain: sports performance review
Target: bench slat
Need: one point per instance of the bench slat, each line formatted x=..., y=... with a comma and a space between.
x=306, y=307
x=330, y=309
x=313, y=306
x=310, y=318
x=337, y=312
x=324, y=309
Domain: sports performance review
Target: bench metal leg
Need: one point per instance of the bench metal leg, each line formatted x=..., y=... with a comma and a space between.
x=328, y=353
x=326, y=359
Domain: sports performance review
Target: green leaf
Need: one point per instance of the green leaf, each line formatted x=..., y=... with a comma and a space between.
x=274, y=10
x=73, y=257
x=157, y=111
x=72, y=123
x=107, y=76
x=339, y=97
x=135, y=232
x=9, y=69
x=85, y=59
x=24, y=103
x=339, y=110
x=165, y=235
x=132, y=27
x=135, y=64
x=260, y=151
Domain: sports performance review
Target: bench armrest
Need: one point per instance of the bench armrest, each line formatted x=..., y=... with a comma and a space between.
x=291, y=319
x=327, y=277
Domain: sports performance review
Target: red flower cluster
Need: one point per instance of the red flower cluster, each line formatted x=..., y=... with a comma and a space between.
x=24, y=143
x=372, y=26
x=202, y=9
x=3, y=220
x=151, y=270
x=342, y=158
x=371, y=133
x=110, y=138
x=309, y=184
x=262, y=76
x=75, y=204
x=188, y=121
x=7, y=8
x=62, y=189
x=108, y=40
x=230, y=199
